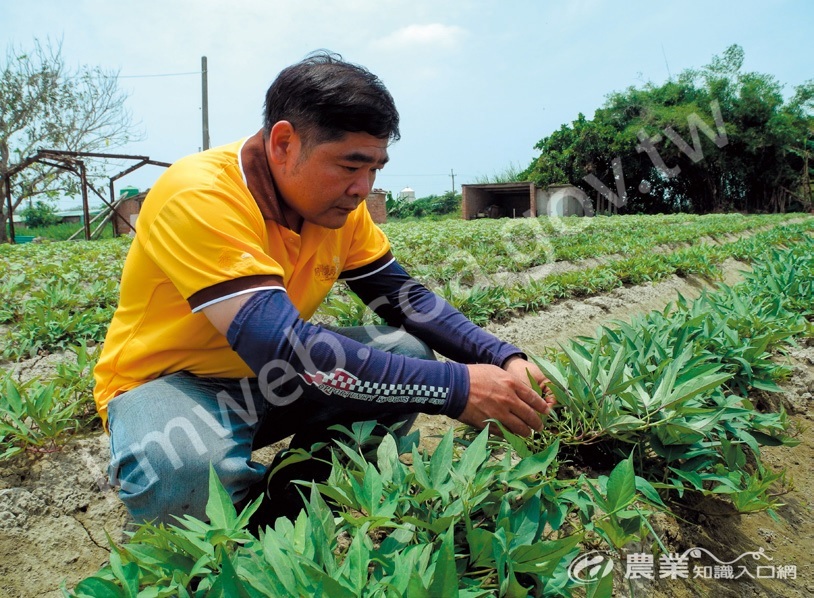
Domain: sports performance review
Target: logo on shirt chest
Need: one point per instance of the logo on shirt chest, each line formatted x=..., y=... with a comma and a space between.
x=327, y=272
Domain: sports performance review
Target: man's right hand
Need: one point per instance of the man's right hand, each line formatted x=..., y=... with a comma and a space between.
x=496, y=394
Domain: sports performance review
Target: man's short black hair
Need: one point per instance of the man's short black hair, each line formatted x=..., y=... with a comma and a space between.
x=324, y=98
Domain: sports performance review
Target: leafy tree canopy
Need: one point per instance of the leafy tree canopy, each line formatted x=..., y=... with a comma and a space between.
x=46, y=105
x=711, y=139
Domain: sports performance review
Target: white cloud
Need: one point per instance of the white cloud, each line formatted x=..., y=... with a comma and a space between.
x=429, y=36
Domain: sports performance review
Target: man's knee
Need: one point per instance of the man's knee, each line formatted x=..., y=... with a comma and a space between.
x=166, y=474
x=163, y=437
x=396, y=340
x=157, y=480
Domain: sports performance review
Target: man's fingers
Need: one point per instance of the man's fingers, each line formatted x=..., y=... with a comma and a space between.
x=548, y=394
x=532, y=399
x=515, y=425
x=528, y=414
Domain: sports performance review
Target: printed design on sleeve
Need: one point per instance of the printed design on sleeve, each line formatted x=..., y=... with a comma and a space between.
x=343, y=383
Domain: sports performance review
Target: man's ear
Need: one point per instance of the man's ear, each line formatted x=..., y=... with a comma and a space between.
x=283, y=142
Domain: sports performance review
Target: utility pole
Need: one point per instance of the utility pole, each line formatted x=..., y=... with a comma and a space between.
x=806, y=186
x=452, y=174
x=204, y=103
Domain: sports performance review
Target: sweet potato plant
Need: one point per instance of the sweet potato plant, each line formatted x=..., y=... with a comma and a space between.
x=666, y=398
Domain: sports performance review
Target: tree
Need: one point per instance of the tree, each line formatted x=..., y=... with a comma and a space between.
x=712, y=139
x=44, y=104
x=40, y=214
x=512, y=173
x=432, y=205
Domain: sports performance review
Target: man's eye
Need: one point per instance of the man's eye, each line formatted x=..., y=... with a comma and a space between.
x=351, y=168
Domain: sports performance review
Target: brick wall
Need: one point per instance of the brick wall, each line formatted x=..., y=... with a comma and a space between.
x=129, y=210
x=376, y=206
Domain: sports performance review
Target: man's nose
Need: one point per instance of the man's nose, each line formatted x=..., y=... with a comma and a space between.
x=362, y=184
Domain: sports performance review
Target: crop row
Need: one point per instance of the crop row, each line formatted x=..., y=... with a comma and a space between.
x=61, y=296
x=56, y=295
x=39, y=415
x=665, y=401
x=436, y=251
x=484, y=298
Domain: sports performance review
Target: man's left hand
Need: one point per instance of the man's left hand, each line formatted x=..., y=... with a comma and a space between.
x=521, y=368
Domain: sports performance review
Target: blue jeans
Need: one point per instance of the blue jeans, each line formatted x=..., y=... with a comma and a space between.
x=165, y=433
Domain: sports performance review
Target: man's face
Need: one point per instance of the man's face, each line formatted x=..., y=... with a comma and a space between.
x=326, y=182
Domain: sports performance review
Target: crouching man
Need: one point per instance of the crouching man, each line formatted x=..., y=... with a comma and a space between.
x=210, y=354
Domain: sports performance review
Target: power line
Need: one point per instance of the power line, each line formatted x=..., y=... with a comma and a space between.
x=157, y=75
x=378, y=174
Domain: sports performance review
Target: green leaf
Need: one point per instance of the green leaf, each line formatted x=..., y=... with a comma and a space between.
x=533, y=383
x=282, y=564
x=219, y=508
x=690, y=476
x=543, y=557
x=445, y=577
x=352, y=454
x=358, y=560
x=13, y=397
x=330, y=587
x=372, y=490
x=337, y=494
x=519, y=444
x=127, y=575
x=245, y=515
x=480, y=547
x=436, y=526
x=420, y=471
x=293, y=456
x=259, y=577
x=323, y=529
x=621, y=485
x=95, y=587
x=387, y=457
x=625, y=423
x=441, y=461
x=767, y=440
x=675, y=433
x=537, y=463
x=155, y=556
x=648, y=491
x=396, y=541
x=474, y=456
x=228, y=584
x=766, y=384
x=602, y=588
x=553, y=374
x=525, y=522
x=696, y=387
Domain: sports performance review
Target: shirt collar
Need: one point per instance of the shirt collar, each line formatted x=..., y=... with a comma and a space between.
x=255, y=169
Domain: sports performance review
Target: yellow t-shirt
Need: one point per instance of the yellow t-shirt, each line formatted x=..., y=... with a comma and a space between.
x=199, y=226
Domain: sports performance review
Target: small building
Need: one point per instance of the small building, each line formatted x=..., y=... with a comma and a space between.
x=377, y=205
x=521, y=200
x=407, y=194
x=76, y=215
x=128, y=206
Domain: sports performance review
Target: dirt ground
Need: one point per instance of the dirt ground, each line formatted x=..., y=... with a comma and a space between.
x=56, y=509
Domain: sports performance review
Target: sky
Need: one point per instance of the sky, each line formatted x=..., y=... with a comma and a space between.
x=477, y=83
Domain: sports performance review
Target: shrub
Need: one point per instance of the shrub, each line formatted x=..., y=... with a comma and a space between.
x=425, y=206
x=40, y=214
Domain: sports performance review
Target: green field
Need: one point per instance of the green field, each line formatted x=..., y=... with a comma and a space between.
x=651, y=414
